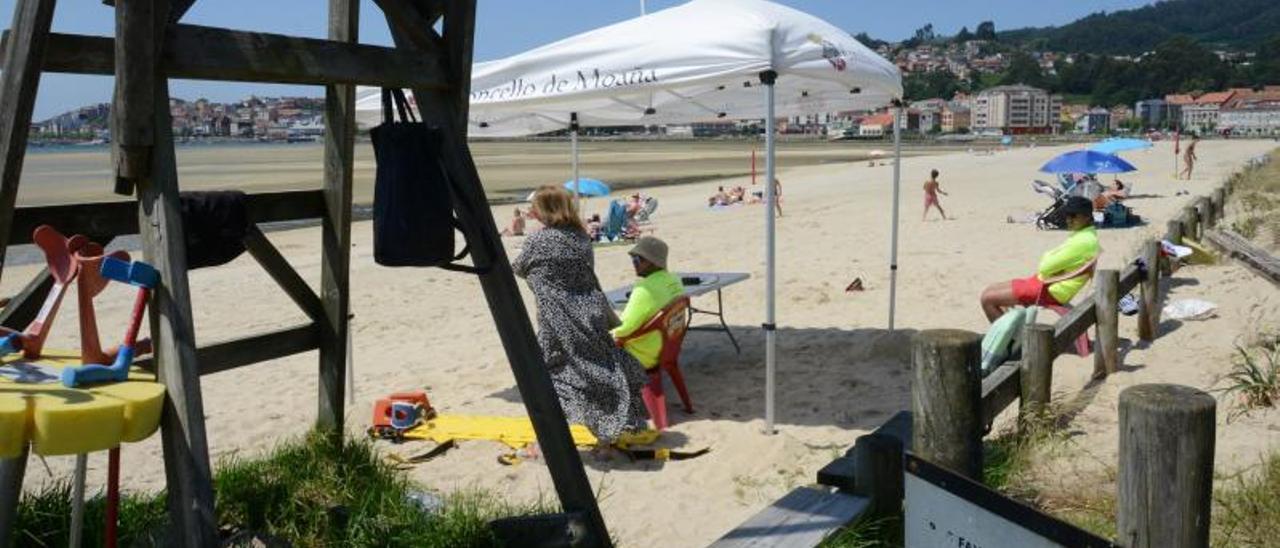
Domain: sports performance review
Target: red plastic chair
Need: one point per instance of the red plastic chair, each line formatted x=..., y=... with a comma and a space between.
x=672, y=322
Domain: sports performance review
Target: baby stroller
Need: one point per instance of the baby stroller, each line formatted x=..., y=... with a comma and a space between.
x=1114, y=215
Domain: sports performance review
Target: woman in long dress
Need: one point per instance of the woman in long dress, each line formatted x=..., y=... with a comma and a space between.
x=597, y=382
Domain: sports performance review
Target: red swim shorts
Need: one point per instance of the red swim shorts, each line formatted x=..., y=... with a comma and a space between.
x=1031, y=291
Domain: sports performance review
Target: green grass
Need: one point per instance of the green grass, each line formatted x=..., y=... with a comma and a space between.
x=1254, y=378
x=306, y=492
x=1247, y=511
x=1257, y=195
x=863, y=534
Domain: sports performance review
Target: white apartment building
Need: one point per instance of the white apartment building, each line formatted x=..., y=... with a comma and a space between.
x=1015, y=109
x=1256, y=115
x=1202, y=115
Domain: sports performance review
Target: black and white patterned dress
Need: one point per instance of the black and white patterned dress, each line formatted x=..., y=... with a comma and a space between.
x=598, y=383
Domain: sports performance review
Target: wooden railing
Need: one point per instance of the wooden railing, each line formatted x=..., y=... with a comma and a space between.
x=866, y=482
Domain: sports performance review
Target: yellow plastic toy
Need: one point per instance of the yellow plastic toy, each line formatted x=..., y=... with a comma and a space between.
x=36, y=407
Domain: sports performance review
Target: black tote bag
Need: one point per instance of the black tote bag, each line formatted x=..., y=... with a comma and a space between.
x=413, y=222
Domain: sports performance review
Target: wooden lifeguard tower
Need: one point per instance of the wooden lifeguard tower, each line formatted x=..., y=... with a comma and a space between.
x=150, y=46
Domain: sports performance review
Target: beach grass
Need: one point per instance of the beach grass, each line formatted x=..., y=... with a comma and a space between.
x=305, y=492
x=864, y=533
x=1257, y=191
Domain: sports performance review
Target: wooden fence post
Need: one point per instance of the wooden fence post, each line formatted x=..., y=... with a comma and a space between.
x=1219, y=201
x=1036, y=375
x=11, y=474
x=1205, y=212
x=1106, y=358
x=878, y=476
x=1190, y=223
x=1174, y=234
x=335, y=254
x=946, y=399
x=1149, y=313
x=1165, y=482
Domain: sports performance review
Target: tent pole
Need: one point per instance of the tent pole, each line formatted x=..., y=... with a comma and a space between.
x=768, y=78
x=573, y=151
x=893, y=245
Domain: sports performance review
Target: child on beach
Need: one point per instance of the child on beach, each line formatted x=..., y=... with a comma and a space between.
x=931, y=191
x=1189, y=157
x=517, y=225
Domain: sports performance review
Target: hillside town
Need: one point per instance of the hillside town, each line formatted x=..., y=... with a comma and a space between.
x=292, y=119
x=1016, y=109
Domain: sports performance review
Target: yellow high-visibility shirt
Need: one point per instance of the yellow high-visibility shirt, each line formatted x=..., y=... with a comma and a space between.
x=647, y=298
x=1080, y=248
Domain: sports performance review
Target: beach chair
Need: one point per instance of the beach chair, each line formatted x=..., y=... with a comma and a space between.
x=672, y=322
x=650, y=205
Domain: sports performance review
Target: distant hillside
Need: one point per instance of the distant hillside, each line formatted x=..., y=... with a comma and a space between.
x=1233, y=24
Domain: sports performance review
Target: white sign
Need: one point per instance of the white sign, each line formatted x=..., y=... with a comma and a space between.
x=944, y=509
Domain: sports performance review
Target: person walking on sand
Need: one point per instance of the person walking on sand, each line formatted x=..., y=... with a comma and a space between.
x=931, y=192
x=1189, y=157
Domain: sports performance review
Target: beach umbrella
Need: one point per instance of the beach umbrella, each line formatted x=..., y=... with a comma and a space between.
x=1120, y=144
x=701, y=61
x=587, y=187
x=1087, y=161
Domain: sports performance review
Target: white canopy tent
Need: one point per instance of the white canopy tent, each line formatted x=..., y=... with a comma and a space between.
x=705, y=60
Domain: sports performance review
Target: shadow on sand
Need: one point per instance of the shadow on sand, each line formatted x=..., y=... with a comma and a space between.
x=852, y=379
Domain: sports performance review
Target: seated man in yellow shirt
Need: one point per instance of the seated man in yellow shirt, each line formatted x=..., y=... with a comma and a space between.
x=1078, y=251
x=655, y=290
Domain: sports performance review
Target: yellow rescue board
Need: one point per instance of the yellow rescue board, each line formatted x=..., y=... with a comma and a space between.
x=514, y=432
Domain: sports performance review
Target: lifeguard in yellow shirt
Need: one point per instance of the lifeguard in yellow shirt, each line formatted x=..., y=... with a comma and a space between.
x=1061, y=272
x=655, y=290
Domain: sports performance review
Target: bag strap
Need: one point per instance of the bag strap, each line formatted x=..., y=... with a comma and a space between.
x=402, y=104
x=387, y=117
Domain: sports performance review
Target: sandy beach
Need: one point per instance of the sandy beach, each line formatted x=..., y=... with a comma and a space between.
x=840, y=372
x=508, y=168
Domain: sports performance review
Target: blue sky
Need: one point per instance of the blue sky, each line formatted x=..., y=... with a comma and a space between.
x=506, y=27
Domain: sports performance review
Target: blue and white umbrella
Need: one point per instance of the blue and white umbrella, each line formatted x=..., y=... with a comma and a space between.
x=588, y=187
x=1120, y=144
x=1087, y=161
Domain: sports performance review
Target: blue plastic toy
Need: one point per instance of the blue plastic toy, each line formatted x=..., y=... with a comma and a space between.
x=145, y=278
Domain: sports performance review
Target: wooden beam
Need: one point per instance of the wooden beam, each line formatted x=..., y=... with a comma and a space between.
x=1000, y=389
x=408, y=18
x=103, y=220
x=189, y=479
x=459, y=30
x=803, y=517
x=231, y=354
x=1076, y=322
x=1239, y=248
x=177, y=8
x=24, y=306
x=335, y=255
x=285, y=276
x=207, y=53
x=507, y=306
x=133, y=103
x=18, y=85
